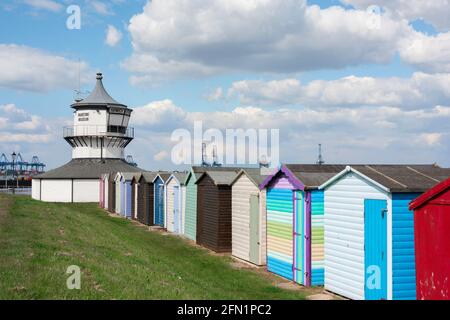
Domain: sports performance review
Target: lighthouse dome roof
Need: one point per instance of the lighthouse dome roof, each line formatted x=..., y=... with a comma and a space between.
x=99, y=97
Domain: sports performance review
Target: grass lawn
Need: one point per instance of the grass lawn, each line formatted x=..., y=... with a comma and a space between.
x=118, y=259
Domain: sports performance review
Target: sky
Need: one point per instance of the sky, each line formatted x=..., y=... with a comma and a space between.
x=368, y=79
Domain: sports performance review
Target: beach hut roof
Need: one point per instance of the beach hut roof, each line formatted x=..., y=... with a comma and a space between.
x=220, y=178
x=257, y=176
x=397, y=178
x=148, y=176
x=179, y=176
x=430, y=194
x=305, y=176
x=128, y=176
x=164, y=175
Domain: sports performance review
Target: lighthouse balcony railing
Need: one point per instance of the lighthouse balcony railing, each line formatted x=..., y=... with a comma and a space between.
x=98, y=130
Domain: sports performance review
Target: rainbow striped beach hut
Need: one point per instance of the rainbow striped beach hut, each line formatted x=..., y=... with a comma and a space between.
x=295, y=221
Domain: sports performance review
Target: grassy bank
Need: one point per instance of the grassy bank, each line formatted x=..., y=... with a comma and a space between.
x=118, y=259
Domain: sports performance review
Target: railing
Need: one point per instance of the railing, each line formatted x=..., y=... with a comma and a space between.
x=18, y=191
x=93, y=130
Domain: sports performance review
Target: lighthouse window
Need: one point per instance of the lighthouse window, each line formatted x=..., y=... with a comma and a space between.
x=83, y=117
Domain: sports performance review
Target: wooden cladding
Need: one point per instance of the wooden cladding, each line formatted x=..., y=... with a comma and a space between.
x=214, y=215
x=145, y=203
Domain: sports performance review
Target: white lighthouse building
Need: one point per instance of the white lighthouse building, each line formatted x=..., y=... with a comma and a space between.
x=98, y=139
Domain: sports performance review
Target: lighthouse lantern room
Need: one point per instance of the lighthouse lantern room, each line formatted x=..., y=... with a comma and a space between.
x=100, y=126
x=98, y=138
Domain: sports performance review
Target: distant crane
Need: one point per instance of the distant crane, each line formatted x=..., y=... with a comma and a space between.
x=320, y=160
x=130, y=161
x=21, y=167
x=215, y=157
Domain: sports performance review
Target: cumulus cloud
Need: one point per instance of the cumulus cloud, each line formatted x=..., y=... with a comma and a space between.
x=30, y=69
x=49, y=5
x=160, y=156
x=159, y=116
x=100, y=7
x=435, y=12
x=197, y=38
x=365, y=135
x=113, y=36
x=17, y=125
x=216, y=95
x=429, y=53
x=419, y=91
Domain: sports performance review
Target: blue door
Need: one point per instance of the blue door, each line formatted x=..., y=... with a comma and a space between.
x=375, y=249
x=129, y=200
x=299, y=238
x=159, y=203
x=176, y=209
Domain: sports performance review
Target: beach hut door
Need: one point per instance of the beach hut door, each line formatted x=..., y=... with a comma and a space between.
x=375, y=249
x=299, y=237
x=160, y=218
x=254, y=229
x=176, y=209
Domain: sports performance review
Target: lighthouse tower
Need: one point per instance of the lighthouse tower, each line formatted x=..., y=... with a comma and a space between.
x=100, y=126
x=98, y=138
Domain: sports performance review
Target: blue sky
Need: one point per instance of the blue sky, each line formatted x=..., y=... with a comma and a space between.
x=197, y=48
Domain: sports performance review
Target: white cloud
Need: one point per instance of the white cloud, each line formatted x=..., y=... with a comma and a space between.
x=101, y=7
x=435, y=12
x=197, y=38
x=159, y=116
x=160, y=156
x=113, y=36
x=429, y=53
x=17, y=125
x=349, y=135
x=419, y=91
x=430, y=139
x=30, y=69
x=216, y=95
x=44, y=5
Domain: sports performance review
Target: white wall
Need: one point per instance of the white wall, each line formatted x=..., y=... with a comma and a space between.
x=344, y=234
x=56, y=190
x=86, y=190
x=96, y=151
x=240, y=240
x=36, y=189
x=106, y=192
x=169, y=205
x=96, y=118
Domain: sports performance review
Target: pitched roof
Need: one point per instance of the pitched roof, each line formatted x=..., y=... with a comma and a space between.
x=164, y=175
x=398, y=178
x=128, y=176
x=220, y=178
x=180, y=176
x=99, y=97
x=257, y=176
x=149, y=176
x=306, y=176
x=88, y=169
x=313, y=175
x=430, y=194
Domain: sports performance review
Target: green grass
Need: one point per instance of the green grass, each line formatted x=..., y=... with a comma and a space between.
x=118, y=259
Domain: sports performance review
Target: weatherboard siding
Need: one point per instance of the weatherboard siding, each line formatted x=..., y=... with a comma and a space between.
x=190, y=230
x=170, y=205
x=403, y=257
x=242, y=191
x=344, y=234
x=317, y=238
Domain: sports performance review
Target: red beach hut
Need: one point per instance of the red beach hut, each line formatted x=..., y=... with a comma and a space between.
x=432, y=242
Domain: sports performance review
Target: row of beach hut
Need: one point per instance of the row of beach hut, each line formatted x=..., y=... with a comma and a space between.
x=348, y=228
